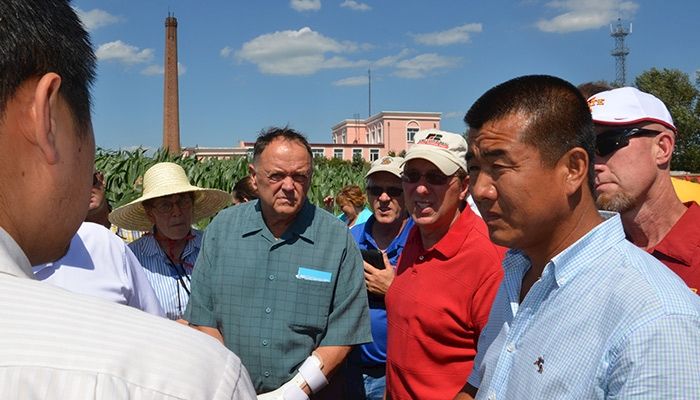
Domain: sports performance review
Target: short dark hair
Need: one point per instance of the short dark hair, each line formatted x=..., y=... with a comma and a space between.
x=42, y=36
x=588, y=89
x=267, y=136
x=558, y=115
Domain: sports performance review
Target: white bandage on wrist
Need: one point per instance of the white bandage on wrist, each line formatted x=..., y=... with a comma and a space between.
x=310, y=370
x=294, y=392
x=289, y=391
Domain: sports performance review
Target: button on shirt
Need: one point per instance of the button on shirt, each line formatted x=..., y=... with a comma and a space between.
x=276, y=300
x=605, y=320
x=164, y=276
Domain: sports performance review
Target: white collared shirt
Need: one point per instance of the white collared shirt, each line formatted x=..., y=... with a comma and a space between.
x=98, y=263
x=55, y=344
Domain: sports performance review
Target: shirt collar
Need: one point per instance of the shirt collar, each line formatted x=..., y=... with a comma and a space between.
x=299, y=227
x=451, y=243
x=684, y=236
x=151, y=247
x=366, y=239
x=13, y=261
x=576, y=257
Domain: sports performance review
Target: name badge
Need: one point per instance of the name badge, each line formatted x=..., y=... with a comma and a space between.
x=309, y=274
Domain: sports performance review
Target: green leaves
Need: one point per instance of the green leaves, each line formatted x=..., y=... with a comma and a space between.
x=123, y=171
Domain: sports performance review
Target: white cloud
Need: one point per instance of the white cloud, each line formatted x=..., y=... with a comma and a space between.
x=305, y=5
x=579, y=15
x=225, y=52
x=301, y=52
x=96, y=18
x=156, y=69
x=123, y=53
x=424, y=64
x=354, y=5
x=459, y=34
x=352, y=81
x=391, y=60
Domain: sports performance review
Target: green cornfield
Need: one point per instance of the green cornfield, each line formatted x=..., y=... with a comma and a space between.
x=123, y=171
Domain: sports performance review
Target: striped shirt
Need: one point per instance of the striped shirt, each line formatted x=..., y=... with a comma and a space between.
x=55, y=344
x=127, y=236
x=170, y=282
x=604, y=321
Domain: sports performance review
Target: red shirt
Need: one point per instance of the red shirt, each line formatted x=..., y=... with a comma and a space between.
x=680, y=248
x=437, y=306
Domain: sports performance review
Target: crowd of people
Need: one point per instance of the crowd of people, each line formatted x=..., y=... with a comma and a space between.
x=544, y=255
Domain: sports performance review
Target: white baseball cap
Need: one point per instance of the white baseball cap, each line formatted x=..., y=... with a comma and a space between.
x=388, y=164
x=628, y=106
x=446, y=150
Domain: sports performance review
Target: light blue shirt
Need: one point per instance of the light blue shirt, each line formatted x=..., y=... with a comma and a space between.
x=362, y=217
x=172, y=288
x=604, y=321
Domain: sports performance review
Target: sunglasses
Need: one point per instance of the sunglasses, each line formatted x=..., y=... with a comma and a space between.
x=390, y=190
x=431, y=177
x=614, y=139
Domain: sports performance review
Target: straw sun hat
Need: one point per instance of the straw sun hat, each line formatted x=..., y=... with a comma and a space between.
x=164, y=179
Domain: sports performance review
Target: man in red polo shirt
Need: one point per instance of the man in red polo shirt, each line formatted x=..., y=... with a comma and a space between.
x=634, y=144
x=446, y=279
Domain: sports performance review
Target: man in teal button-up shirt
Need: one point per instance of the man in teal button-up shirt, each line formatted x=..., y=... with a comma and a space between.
x=279, y=277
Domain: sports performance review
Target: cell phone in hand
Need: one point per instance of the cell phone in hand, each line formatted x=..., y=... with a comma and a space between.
x=373, y=257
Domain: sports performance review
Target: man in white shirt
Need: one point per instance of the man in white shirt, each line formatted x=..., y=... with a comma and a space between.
x=55, y=344
x=98, y=263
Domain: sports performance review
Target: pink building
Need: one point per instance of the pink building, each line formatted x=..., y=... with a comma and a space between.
x=370, y=138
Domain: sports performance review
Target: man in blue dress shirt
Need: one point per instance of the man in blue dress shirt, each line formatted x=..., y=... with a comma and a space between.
x=582, y=313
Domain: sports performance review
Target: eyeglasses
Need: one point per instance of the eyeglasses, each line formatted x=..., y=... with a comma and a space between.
x=614, y=139
x=166, y=206
x=378, y=191
x=431, y=177
x=279, y=177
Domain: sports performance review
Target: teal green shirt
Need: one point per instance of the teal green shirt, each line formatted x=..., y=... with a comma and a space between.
x=276, y=300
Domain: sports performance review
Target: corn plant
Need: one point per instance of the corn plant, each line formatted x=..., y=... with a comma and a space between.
x=123, y=171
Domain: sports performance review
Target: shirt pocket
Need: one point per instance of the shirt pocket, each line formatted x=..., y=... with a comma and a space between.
x=312, y=306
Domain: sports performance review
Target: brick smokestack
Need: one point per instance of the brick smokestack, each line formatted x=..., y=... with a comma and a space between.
x=171, y=108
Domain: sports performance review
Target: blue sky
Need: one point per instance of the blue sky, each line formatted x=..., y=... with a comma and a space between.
x=248, y=65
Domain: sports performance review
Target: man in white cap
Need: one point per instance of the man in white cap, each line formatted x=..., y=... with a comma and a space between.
x=56, y=344
x=581, y=312
x=634, y=144
x=167, y=209
x=383, y=235
x=446, y=278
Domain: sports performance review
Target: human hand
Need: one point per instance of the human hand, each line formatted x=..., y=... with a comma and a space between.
x=379, y=280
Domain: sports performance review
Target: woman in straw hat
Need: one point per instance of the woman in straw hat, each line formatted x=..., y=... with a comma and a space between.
x=168, y=207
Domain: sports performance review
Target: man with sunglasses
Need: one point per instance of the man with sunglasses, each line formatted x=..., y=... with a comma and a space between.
x=634, y=144
x=386, y=230
x=446, y=278
x=582, y=313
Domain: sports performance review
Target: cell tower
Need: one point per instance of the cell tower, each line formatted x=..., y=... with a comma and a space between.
x=620, y=52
